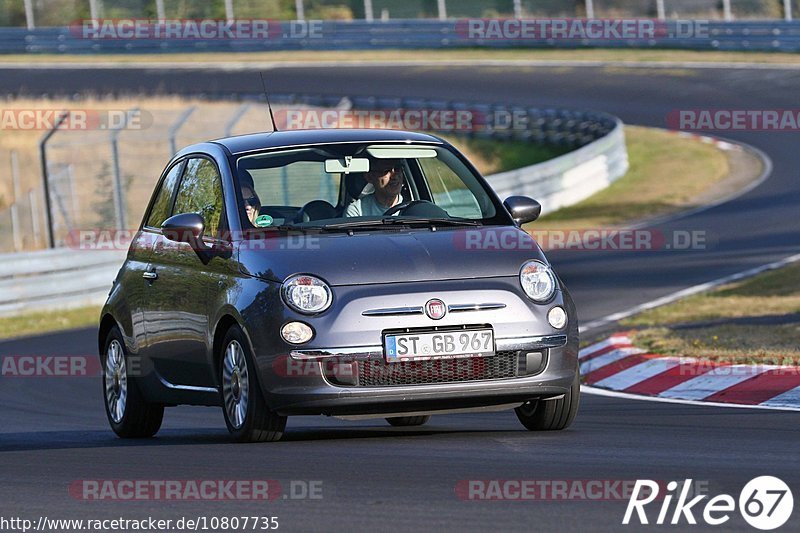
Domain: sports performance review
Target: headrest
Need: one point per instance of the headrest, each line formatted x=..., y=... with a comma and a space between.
x=355, y=184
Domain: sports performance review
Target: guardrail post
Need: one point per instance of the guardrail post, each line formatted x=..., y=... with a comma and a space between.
x=369, y=14
x=517, y=9
x=51, y=242
x=29, y=18
x=173, y=130
x=300, y=10
x=94, y=9
x=787, y=10
x=160, y=13
x=32, y=200
x=662, y=13
x=589, y=9
x=727, y=14
x=442, y=4
x=235, y=119
x=119, y=195
x=15, y=229
x=229, y=10
x=74, y=193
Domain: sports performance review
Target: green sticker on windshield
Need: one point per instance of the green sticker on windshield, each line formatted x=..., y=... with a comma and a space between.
x=264, y=221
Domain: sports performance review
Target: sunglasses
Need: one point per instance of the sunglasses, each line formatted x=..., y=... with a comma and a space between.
x=382, y=171
x=252, y=201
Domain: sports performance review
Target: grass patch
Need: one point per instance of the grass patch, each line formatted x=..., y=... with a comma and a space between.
x=754, y=320
x=774, y=293
x=658, y=182
x=491, y=157
x=48, y=321
x=431, y=56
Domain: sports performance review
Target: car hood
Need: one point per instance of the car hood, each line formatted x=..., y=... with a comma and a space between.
x=389, y=256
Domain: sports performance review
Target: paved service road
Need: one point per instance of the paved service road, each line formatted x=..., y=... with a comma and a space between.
x=53, y=431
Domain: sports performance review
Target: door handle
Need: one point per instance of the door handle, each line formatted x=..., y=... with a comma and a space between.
x=150, y=276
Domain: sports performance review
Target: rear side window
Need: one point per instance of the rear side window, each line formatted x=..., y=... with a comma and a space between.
x=201, y=192
x=163, y=202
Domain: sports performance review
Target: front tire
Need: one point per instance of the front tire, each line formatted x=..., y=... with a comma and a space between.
x=247, y=415
x=408, y=421
x=129, y=414
x=551, y=415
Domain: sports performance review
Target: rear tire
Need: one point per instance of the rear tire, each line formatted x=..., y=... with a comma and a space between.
x=129, y=414
x=247, y=415
x=408, y=421
x=551, y=415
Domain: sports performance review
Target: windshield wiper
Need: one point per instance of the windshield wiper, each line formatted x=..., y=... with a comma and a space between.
x=401, y=221
x=444, y=221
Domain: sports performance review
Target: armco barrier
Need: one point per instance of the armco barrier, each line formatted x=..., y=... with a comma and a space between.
x=61, y=278
x=779, y=36
x=570, y=178
x=56, y=279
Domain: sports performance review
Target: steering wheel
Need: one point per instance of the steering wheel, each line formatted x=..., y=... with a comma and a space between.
x=399, y=207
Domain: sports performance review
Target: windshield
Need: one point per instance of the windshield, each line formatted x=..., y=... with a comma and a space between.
x=362, y=186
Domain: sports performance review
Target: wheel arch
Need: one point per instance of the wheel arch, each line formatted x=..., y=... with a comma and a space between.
x=225, y=323
x=107, y=323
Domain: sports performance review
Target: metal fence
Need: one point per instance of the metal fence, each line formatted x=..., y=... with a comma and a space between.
x=61, y=12
x=103, y=179
x=89, y=173
x=779, y=36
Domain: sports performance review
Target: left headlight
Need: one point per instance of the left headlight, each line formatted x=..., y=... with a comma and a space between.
x=538, y=281
x=306, y=294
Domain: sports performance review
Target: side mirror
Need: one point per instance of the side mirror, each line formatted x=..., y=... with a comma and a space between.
x=523, y=209
x=186, y=227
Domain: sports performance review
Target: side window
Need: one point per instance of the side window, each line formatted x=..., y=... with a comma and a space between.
x=296, y=184
x=449, y=190
x=201, y=192
x=162, y=204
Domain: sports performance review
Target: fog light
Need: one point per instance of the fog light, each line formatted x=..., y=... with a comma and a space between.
x=557, y=317
x=297, y=333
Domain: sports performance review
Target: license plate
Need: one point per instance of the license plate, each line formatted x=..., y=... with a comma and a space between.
x=439, y=345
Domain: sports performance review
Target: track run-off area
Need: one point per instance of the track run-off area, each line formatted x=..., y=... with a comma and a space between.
x=53, y=431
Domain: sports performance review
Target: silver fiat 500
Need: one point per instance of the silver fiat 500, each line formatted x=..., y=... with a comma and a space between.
x=348, y=273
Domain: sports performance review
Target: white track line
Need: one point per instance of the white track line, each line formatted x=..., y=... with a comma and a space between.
x=267, y=65
x=627, y=396
x=765, y=173
x=789, y=398
x=614, y=340
x=636, y=374
x=703, y=287
x=607, y=358
x=711, y=382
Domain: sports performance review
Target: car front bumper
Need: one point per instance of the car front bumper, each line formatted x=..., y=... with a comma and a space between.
x=547, y=368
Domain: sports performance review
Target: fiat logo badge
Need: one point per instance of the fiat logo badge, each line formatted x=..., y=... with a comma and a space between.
x=435, y=309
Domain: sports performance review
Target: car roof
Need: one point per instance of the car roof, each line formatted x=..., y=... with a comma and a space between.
x=279, y=139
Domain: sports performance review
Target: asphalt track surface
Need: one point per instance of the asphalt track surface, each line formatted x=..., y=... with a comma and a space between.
x=53, y=431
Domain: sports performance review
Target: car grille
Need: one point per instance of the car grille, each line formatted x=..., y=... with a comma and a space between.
x=503, y=365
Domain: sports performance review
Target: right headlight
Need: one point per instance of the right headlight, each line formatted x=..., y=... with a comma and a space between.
x=538, y=281
x=307, y=294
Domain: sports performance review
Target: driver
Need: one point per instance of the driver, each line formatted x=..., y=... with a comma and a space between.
x=386, y=177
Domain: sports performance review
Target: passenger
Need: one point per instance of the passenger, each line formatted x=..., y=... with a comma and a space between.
x=252, y=204
x=386, y=177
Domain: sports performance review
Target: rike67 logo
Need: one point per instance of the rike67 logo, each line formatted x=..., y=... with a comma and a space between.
x=765, y=503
